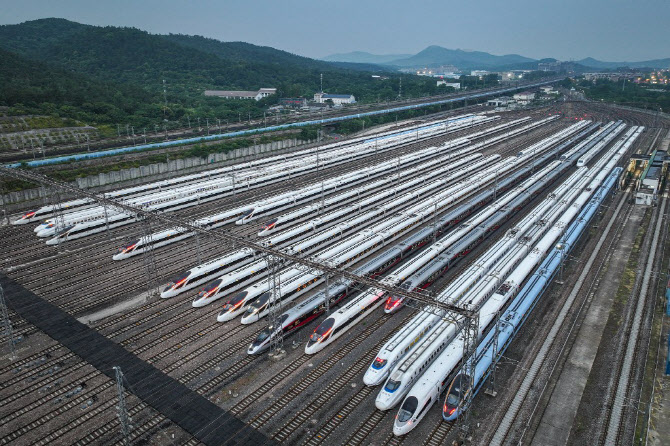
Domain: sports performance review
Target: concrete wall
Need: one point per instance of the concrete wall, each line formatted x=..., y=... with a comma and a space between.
x=24, y=199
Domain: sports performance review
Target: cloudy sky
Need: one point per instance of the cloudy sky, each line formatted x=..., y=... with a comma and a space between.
x=612, y=30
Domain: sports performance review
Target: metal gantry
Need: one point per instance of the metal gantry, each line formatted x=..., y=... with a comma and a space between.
x=470, y=341
x=175, y=221
x=275, y=305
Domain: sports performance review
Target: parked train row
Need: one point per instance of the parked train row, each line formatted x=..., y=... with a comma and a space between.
x=425, y=373
x=497, y=341
x=253, y=211
x=318, y=341
x=423, y=159
x=298, y=316
x=295, y=282
x=265, y=171
x=365, y=211
x=429, y=266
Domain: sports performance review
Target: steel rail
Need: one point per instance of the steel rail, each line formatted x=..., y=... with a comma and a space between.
x=34, y=177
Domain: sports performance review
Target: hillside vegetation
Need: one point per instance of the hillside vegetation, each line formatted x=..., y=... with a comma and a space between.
x=109, y=75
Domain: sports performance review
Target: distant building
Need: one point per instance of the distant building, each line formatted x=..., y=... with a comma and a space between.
x=548, y=90
x=503, y=101
x=236, y=94
x=478, y=73
x=338, y=99
x=524, y=97
x=293, y=102
x=455, y=85
x=549, y=66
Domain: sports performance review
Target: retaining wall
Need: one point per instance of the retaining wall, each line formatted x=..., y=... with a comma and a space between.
x=133, y=176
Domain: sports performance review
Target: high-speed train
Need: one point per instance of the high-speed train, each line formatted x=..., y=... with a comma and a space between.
x=435, y=379
x=474, y=293
x=276, y=171
x=314, y=306
x=432, y=260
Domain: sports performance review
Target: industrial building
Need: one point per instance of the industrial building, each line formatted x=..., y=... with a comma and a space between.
x=236, y=94
x=455, y=85
x=651, y=179
x=338, y=99
x=524, y=98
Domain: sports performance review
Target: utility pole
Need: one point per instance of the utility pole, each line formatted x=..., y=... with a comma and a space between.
x=165, y=98
x=400, y=89
x=122, y=410
x=321, y=75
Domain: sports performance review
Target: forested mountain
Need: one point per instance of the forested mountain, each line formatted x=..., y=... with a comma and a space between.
x=436, y=55
x=127, y=59
x=363, y=57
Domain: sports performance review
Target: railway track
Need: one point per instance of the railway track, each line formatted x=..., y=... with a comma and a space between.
x=583, y=289
x=617, y=402
x=123, y=327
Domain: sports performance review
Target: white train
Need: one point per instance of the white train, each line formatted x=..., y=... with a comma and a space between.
x=203, y=273
x=468, y=290
x=433, y=260
x=435, y=379
x=277, y=168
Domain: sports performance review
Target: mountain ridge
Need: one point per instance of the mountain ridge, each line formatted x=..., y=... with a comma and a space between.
x=435, y=55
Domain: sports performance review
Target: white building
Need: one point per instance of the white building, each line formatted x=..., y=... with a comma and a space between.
x=548, y=90
x=524, y=97
x=455, y=85
x=338, y=99
x=478, y=73
x=503, y=101
x=237, y=94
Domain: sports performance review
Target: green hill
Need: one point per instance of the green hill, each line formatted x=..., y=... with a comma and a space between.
x=121, y=60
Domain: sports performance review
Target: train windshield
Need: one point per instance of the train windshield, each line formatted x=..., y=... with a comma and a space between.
x=179, y=281
x=452, y=400
x=408, y=408
x=129, y=246
x=379, y=363
x=323, y=331
x=392, y=386
x=247, y=213
x=235, y=301
x=271, y=224
x=210, y=287
x=263, y=335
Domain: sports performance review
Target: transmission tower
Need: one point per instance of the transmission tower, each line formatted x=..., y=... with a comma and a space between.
x=275, y=307
x=149, y=260
x=470, y=341
x=124, y=419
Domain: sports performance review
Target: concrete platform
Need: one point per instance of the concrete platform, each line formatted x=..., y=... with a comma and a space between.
x=559, y=416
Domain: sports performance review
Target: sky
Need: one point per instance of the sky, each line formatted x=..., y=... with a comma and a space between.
x=610, y=30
